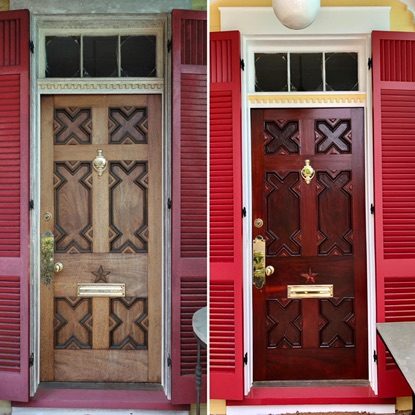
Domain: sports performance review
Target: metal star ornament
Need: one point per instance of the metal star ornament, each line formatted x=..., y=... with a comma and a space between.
x=310, y=277
x=101, y=275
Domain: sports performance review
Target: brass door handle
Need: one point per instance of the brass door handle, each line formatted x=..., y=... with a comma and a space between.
x=261, y=271
x=269, y=270
x=58, y=267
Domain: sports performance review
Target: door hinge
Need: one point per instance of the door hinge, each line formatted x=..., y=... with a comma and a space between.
x=31, y=46
x=372, y=208
x=31, y=359
x=369, y=63
x=169, y=203
x=168, y=361
x=245, y=358
x=375, y=356
x=31, y=204
x=169, y=45
x=242, y=64
x=244, y=212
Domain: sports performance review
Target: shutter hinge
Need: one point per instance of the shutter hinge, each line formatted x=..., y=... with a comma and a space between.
x=375, y=356
x=242, y=64
x=31, y=204
x=168, y=361
x=245, y=358
x=369, y=63
x=169, y=44
x=372, y=208
x=244, y=212
x=169, y=203
x=31, y=359
x=31, y=46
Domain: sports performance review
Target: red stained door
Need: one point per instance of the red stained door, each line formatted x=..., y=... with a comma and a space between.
x=315, y=234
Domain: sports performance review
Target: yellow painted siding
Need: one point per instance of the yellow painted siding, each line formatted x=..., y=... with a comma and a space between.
x=401, y=18
x=4, y=5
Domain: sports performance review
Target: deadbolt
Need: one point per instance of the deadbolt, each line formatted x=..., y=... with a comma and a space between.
x=47, y=216
x=258, y=223
x=58, y=267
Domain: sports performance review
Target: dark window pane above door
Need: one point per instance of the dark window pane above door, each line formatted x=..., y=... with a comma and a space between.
x=341, y=72
x=100, y=56
x=306, y=71
x=62, y=56
x=138, y=56
x=271, y=72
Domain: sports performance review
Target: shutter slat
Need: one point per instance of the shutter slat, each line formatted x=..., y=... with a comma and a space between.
x=189, y=195
x=226, y=322
x=394, y=150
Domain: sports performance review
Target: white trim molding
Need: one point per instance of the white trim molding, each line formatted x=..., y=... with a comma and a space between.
x=91, y=86
x=330, y=20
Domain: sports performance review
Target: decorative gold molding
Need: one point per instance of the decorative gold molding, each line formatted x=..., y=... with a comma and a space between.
x=122, y=85
x=327, y=98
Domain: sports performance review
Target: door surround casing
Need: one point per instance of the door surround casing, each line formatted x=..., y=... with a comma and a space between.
x=361, y=98
x=159, y=23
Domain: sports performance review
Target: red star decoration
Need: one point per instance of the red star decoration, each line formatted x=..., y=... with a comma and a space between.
x=310, y=277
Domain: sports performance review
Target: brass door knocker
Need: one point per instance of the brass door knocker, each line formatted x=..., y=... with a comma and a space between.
x=100, y=162
x=307, y=172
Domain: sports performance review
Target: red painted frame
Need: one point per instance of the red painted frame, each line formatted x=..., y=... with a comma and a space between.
x=311, y=395
x=102, y=398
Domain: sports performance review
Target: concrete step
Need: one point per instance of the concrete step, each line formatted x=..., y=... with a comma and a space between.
x=61, y=411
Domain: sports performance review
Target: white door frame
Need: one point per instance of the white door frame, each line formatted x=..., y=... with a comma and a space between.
x=44, y=24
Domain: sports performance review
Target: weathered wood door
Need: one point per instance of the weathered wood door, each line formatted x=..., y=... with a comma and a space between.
x=107, y=229
x=315, y=234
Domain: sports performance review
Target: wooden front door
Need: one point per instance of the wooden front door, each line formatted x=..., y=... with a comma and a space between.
x=107, y=228
x=315, y=235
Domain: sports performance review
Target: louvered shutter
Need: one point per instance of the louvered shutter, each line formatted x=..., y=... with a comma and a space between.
x=189, y=194
x=14, y=206
x=394, y=152
x=226, y=314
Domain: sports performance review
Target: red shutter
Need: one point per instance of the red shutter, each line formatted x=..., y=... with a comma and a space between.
x=14, y=206
x=394, y=152
x=226, y=313
x=189, y=194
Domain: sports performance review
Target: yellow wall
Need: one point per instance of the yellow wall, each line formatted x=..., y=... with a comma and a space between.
x=401, y=18
x=4, y=5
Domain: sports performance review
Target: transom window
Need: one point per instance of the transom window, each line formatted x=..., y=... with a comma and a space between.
x=100, y=56
x=298, y=72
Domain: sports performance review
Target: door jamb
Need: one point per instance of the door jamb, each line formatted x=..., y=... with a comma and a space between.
x=323, y=102
x=39, y=87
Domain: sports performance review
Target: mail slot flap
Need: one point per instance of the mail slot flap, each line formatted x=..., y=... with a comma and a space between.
x=101, y=290
x=310, y=291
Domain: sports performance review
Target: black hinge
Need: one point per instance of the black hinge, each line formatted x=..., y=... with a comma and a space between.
x=245, y=358
x=242, y=64
x=372, y=208
x=169, y=44
x=31, y=204
x=244, y=212
x=31, y=359
x=168, y=361
x=369, y=63
x=169, y=203
x=375, y=356
x=32, y=46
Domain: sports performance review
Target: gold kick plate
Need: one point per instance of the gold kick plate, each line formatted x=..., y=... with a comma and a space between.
x=101, y=290
x=310, y=291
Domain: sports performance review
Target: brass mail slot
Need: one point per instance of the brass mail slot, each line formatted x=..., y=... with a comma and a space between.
x=310, y=291
x=101, y=290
